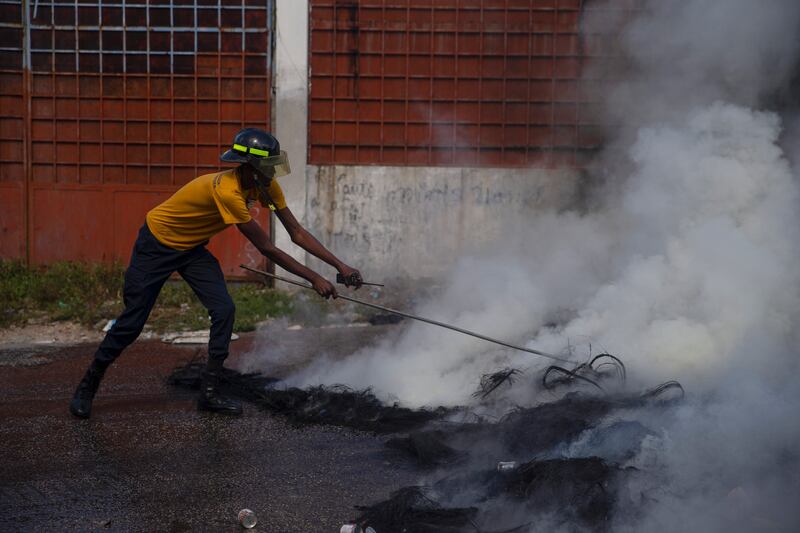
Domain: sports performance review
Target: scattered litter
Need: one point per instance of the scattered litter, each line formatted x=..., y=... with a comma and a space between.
x=506, y=466
x=191, y=337
x=109, y=324
x=355, y=528
x=247, y=519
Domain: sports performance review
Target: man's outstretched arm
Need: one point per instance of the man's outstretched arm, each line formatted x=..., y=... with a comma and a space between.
x=256, y=235
x=305, y=240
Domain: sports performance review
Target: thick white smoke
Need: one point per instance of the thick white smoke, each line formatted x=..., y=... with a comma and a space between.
x=693, y=253
x=696, y=256
x=498, y=294
x=709, y=216
x=689, y=268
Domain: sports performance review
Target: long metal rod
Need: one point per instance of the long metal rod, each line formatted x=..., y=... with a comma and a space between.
x=414, y=317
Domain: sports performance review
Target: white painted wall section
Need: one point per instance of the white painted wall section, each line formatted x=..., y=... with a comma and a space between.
x=414, y=222
x=291, y=109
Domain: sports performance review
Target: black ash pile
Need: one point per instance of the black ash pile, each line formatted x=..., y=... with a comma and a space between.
x=337, y=405
x=535, y=462
x=555, y=466
x=518, y=436
x=413, y=509
x=573, y=494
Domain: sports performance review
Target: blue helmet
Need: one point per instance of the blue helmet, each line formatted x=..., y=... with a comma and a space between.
x=259, y=149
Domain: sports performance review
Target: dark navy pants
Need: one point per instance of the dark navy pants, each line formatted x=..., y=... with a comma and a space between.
x=151, y=264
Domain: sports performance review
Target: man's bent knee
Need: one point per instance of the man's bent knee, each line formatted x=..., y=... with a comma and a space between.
x=223, y=312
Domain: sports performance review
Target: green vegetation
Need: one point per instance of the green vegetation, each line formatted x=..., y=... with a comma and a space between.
x=177, y=307
x=88, y=293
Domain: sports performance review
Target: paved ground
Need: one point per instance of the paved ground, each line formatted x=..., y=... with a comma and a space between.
x=148, y=461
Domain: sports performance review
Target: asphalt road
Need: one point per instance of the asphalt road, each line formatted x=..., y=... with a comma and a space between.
x=148, y=461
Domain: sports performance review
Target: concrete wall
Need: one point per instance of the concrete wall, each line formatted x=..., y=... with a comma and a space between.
x=414, y=222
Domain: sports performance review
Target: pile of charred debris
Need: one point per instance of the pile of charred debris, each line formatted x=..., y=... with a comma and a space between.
x=560, y=463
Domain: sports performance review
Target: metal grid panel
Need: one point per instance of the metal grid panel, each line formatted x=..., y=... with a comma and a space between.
x=12, y=94
x=123, y=95
x=449, y=82
x=127, y=92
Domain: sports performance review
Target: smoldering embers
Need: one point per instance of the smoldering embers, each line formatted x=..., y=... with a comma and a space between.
x=571, y=451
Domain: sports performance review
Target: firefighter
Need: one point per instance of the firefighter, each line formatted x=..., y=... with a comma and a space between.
x=174, y=238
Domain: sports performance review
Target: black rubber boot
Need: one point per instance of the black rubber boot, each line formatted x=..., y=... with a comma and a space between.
x=81, y=404
x=211, y=400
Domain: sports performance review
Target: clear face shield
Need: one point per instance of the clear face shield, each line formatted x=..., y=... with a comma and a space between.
x=273, y=166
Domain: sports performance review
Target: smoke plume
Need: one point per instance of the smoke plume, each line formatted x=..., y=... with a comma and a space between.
x=686, y=267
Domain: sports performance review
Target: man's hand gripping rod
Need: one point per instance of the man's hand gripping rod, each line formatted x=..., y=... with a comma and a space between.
x=344, y=281
x=414, y=317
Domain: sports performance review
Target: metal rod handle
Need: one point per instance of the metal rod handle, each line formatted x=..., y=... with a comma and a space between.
x=414, y=317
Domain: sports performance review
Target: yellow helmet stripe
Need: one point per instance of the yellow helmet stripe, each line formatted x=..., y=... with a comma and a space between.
x=254, y=151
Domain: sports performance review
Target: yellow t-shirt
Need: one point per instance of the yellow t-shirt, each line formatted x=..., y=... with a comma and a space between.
x=204, y=207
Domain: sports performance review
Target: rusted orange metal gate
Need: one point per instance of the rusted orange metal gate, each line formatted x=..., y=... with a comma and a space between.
x=449, y=83
x=108, y=107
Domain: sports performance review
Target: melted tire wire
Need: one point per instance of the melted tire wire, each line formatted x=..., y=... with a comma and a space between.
x=569, y=375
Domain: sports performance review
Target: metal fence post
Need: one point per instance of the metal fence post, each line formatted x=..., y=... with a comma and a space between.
x=27, y=211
